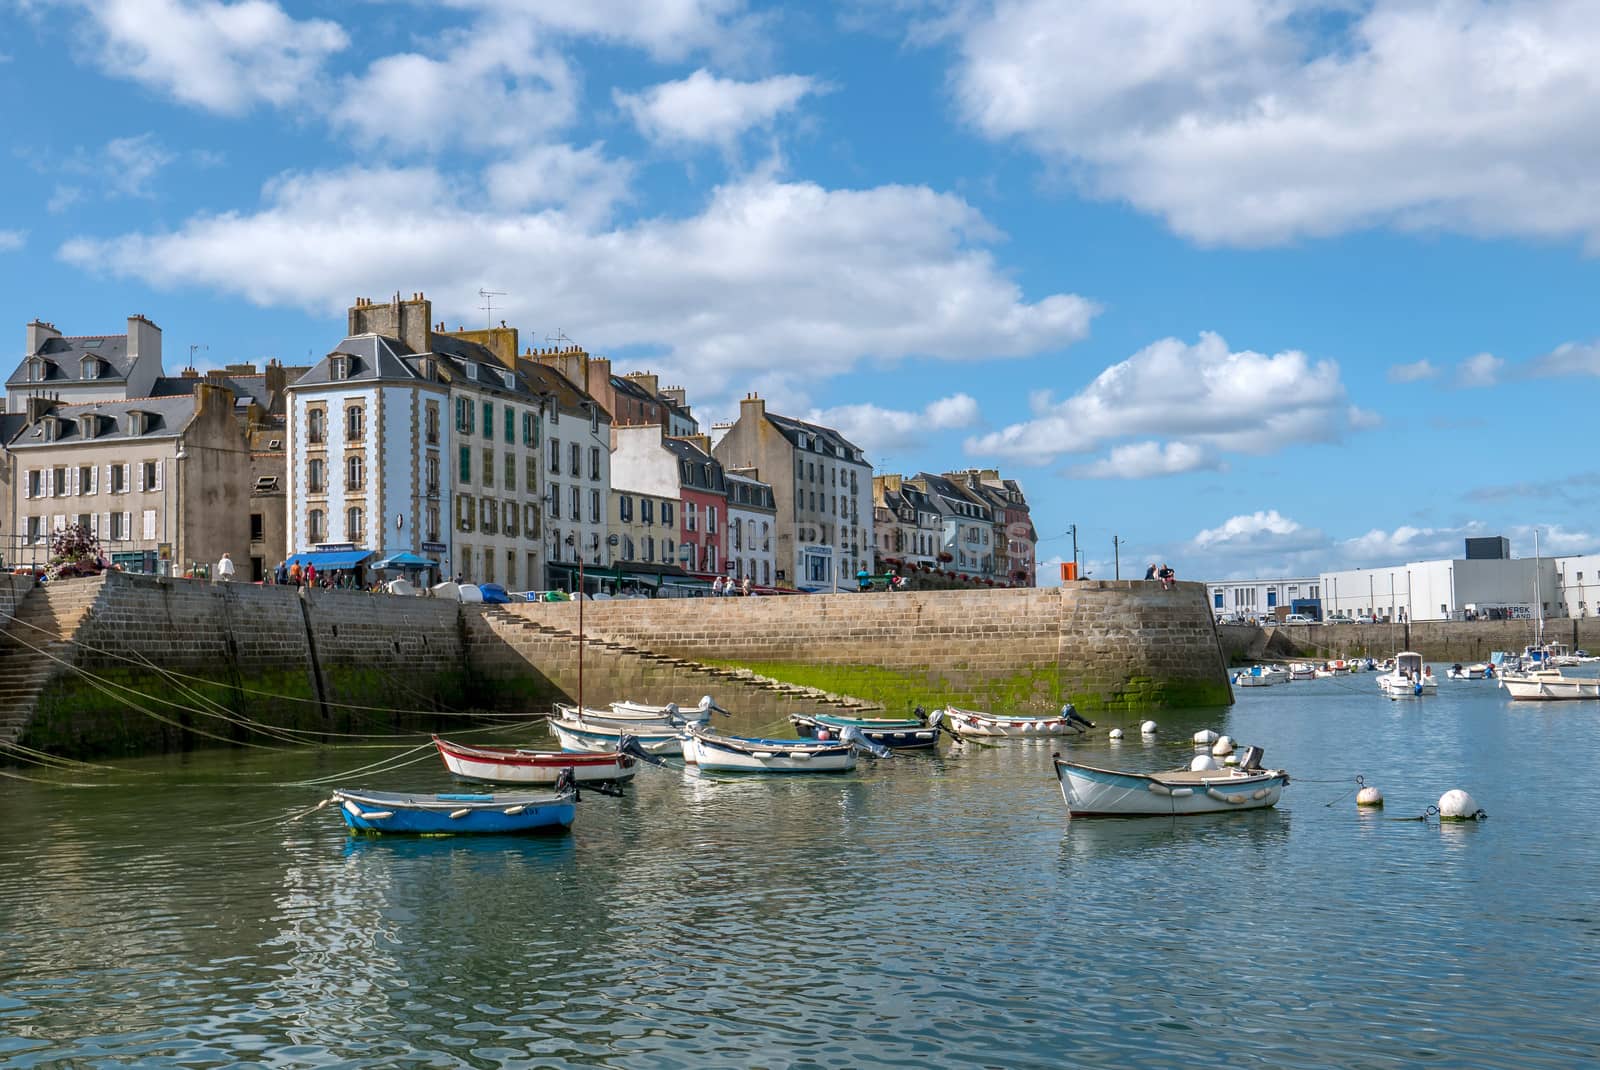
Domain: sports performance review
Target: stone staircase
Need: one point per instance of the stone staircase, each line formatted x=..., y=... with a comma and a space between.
x=508, y=624
x=47, y=618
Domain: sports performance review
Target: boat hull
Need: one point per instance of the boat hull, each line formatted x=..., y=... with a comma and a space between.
x=1550, y=689
x=582, y=735
x=987, y=726
x=511, y=765
x=455, y=814
x=765, y=756
x=1092, y=792
x=894, y=733
x=1401, y=687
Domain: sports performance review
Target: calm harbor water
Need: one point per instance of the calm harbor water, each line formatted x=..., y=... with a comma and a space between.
x=928, y=912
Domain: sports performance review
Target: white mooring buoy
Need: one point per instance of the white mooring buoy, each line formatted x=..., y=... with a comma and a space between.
x=1223, y=746
x=1116, y=733
x=1457, y=805
x=1202, y=763
x=1205, y=737
x=1148, y=728
x=1230, y=759
x=1369, y=796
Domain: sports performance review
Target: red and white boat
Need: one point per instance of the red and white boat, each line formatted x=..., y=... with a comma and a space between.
x=515, y=765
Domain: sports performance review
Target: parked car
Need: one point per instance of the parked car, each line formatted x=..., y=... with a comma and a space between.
x=1298, y=618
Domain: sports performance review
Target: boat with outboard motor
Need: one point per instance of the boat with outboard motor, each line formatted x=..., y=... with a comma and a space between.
x=583, y=734
x=896, y=733
x=1090, y=791
x=1260, y=676
x=449, y=813
x=1409, y=677
x=521, y=765
x=742, y=754
x=1010, y=726
x=1476, y=671
x=639, y=711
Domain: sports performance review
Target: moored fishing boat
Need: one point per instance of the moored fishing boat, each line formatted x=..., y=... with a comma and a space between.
x=575, y=734
x=1260, y=676
x=897, y=733
x=1301, y=670
x=1549, y=685
x=639, y=711
x=1409, y=677
x=1011, y=726
x=1477, y=671
x=519, y=765
x=1090, y=791
x=742, y=754
x=452, y=813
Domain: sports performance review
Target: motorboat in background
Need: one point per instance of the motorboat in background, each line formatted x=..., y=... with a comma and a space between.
x=1409, y=677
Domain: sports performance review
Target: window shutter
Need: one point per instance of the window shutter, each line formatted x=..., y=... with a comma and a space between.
x=27, y=483
x=94, y=524
x=159, y=466
x=127, y=525
x=149, y=523
x=49, y=482
x=140, y=467
x=94, y=479
x=105, y=525
x=72, y=480
x=58, y=522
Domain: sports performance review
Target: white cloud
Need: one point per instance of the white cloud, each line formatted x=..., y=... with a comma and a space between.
x=1202, y=394
x=705, y=109
x=1414, y=372
x=223, y=57
x=1261, y=530
x=1363, y=419
x=584, y=183
x=1481, y=370
x=12, y=240
x=786, y=280
x=1569, y=358
x=667, y=29
x=491, y=85
x=62, y=198
x=1259, y=121
x=877, y=430
x=1142, y=460
x=134, y=163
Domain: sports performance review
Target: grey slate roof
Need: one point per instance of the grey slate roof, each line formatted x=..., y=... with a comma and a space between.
x=64, y=356
x=697, y=468
x=758, y=495
x=169, y=416
x=543, y=379
x=373, y=358
x=946, y=493
x=832, y=443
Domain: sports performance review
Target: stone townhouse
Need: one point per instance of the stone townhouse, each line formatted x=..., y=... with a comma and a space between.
x=966, y=543
x=645, y=526
x=82, y=368
x=162, y=481
x=822, y=489
x=908, y=525
x=752, y=527
x=648, y=461
x=577, y=474
x=406, y=440
x=1014, y=536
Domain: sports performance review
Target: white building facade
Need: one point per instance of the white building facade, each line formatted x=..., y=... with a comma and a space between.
x=1450, y=589
x=752, y=523
x=1251, y=600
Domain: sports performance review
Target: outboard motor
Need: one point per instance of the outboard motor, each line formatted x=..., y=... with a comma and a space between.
x=1250, y=761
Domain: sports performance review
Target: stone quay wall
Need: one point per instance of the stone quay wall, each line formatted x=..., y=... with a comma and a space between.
x=1455, y=640
x=1102, y=645
x=160, y=664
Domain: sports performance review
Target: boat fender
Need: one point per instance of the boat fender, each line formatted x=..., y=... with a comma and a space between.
x=1159, y=789
x=1182, y=793
x=456, y=815
x=1215, y=794
x=513, y=811
x=1260, y=793
x=801, y=756
x=374, y=815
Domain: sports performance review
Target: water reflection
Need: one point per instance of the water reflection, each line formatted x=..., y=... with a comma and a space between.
x=932, y=911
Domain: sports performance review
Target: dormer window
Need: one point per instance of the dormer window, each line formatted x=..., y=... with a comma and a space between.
x=36, y=370
x=339, y=367
x=89, y=368
x=472, y=371
x=430, y=369
x=138, y=422
x=50, y=425
x=511, y=380
x=88, y=425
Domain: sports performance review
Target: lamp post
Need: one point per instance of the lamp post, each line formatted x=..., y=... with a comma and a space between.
x=1116, y=557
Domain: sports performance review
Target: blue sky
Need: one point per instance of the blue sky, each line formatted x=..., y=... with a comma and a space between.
x=1260, y=286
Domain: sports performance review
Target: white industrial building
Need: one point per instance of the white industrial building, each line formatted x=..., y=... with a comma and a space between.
x=1255, y=599
x=1487, y=583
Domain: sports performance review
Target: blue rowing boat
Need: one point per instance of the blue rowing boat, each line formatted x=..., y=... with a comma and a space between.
x=451, y=813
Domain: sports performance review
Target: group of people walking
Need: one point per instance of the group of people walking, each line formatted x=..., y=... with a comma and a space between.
x=728, y=587
x=309, y=576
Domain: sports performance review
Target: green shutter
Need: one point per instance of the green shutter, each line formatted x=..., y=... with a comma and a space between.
x=466, y=464
x=488, y=420
x=511, y=426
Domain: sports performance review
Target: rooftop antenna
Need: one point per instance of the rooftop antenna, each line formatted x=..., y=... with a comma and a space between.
x=197, y=348
x=488, y=306
x=559, y=337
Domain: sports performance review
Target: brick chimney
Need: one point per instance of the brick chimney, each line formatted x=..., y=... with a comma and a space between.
x=651, y=383
x=144, y=341
x=753, y=406
x=700, y=442
x=410, y=321
x=39, y=333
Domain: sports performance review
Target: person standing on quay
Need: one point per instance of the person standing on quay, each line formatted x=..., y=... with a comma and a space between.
x=225, y=569
x=294, y=573
x=1150, y=573
x=744, y=587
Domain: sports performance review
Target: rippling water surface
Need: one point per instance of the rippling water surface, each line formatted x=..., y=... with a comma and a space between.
x=931, y=911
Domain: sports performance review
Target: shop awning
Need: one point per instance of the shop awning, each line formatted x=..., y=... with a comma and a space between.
x=406, y=559
x=327, y=560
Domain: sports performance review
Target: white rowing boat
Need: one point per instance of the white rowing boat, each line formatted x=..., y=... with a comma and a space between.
x=1093, y=792
x=1010, y=726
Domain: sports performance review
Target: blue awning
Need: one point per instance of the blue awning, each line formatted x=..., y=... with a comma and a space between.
x=326, y=560
x=406, y=559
